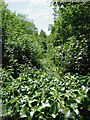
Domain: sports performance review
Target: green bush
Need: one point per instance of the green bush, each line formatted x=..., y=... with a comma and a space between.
x=20, y=46
x=73, y=56
x=70, y=34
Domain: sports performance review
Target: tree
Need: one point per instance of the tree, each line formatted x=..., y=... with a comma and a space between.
x=71, y=19
x=71, y=29
x=42, y=39
x=19, y=42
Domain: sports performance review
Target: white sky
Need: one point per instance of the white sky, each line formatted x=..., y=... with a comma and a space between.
x=38, y=10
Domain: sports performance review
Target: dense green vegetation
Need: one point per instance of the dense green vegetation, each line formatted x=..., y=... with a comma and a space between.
x=46, y=77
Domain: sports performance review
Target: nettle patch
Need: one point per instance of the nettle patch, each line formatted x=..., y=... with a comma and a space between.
x=43, y=96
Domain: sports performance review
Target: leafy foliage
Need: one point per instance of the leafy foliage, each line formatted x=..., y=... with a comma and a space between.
x=20, y=47
x=70, y=34
x=46, y=77
x=44, y=96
